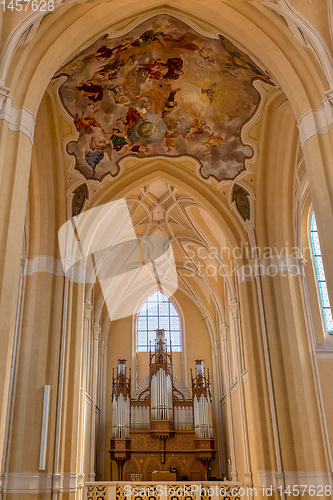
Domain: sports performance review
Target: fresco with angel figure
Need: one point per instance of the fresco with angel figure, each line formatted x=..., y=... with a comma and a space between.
x=163, y=89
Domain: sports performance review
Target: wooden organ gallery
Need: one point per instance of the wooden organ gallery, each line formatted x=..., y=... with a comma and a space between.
x=161, y=419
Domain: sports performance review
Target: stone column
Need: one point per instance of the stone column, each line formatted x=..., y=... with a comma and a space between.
x=15, y=154
x=87, y=321
x=94, y=356
x=226, y=360
x=234, y=308
x=102, y=383
x=217, y=382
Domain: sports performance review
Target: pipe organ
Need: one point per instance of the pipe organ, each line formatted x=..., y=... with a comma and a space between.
x=202, y=402
x=161, y=424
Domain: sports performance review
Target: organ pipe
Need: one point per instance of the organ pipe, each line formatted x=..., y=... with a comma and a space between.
x=195, y=414
x=202, y=401
x=161, y=380
x=161, y=406
x=121, y=402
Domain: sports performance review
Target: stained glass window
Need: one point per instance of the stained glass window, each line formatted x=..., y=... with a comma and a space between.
x=325, y=301
x=158, y=312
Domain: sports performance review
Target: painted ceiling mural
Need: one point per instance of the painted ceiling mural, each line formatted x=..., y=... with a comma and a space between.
x=163, y=89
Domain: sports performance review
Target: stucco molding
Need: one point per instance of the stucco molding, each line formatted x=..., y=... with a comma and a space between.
x=305, y=32
x=50, y=265
x=30, y=482
x=324, y=354
x=19, y=119
x=22, y=33
x=316, y=121
x=43, y=264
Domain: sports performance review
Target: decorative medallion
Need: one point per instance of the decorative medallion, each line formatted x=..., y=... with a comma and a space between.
x=163, y=89
x=240, y=197
x=80, y=196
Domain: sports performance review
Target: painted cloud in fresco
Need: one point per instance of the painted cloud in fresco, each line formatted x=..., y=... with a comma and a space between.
x=164, y=89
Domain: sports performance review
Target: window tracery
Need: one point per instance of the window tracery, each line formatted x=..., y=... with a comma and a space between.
x=158, y=312
x=325, y=301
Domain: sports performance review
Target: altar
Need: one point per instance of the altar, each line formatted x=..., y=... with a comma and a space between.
x=163, y=476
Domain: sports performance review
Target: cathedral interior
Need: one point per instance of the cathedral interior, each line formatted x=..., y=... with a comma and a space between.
x=166, y=242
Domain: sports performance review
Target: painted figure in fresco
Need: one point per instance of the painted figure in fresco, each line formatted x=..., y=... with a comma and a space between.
x=112, y=69
x=84, y=124
x=170, y=140
x=140, y=150
x=171, y=70
x=93, y=92
x=173, y=131
x=155, y=98
x=210, y=91
x=105, y=52
x=207, y=55
x=95, y=154
x=175, y=66
x=197, y=127
x=118, y=139
x=97, y=149
x=158, y=32
x=119, y=93
x=132, y=117
x=239, y=59
x=148, y=37
x=212, y=142
x=170, y=102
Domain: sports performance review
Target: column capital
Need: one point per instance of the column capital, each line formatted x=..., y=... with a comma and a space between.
x=223, y=331
x=248, y=479
x=234, y=308
x=22, y=267
x=102, y=347
x=302, y=264
x=216, y=347
x=234, y=476
x=329, y=95
x=4, y=95
x=87, y=308
x=96, y=331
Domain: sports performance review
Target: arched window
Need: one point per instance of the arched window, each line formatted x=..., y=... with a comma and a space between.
x=325, y=301
x=158, y=312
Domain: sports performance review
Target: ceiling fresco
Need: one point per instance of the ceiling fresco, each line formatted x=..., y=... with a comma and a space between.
x=163, y=89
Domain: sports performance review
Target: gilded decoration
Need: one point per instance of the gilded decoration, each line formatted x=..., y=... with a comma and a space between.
x=226, y=492
x=96, y=493
x=229, y=492
x=139, y=492
x=163, y=89
x=184, y=492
